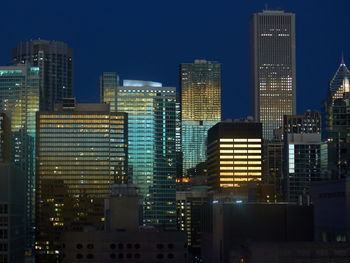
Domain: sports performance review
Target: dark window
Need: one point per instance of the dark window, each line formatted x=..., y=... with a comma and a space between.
x=90, y=246
x=160, y=256
x=137, y=255
x=137, y=246
x=128, y=255
x=112, y=255
x=121, y=255
x=129, y=246
x=112, y=246
x=79, y=246
x=160, y=246
x=79, y=256
x=90, y=256
x=170, y=256
x=170, y=246
x=120, y=246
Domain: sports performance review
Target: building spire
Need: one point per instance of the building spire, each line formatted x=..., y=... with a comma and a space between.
x=342, y=63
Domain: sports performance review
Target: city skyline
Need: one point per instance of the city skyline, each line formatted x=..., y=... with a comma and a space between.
x=153, y=52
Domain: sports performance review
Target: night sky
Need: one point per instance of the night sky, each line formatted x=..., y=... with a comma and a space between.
x=148, y=40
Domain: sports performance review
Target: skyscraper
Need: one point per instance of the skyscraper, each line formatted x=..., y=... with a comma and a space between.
x=55, y=60
x=200, y=84
x=19, y=98
x=151, y=112
x=81, y=152
x=109, y=81
x=272, y=68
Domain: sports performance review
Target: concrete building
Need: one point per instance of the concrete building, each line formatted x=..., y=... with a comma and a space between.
x=272, y=68
x=12, y=214
x=123, y=240
x=5, y=138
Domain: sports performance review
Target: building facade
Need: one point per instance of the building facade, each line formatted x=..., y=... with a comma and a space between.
x=81, y=152
x=302, y=154
x=200, y=85
x=55, y=60
x=234, y=155
x=272, y=68
x=19, y=98
x=5, y=138
x=109, y=81
x=152, y=154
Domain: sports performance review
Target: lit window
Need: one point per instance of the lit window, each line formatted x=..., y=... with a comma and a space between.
x=240, y=140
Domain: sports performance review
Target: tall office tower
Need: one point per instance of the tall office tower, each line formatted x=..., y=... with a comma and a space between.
x=272, y=68
x=152, y=155
x=5, y=138
x=81, y=152
x=234, y=156
x=302, y=154
x=19, y=98
x=109, y=81
x=55, y=60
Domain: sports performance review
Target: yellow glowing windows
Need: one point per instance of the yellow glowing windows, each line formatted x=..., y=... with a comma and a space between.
x=240, y=156
x=240, y=168
x=226, y=179
x=226, y=157
x=255, y=173
x=240, y=140
x=240, y=179
x=254, y=168
x=226, y=162
x=254, y=145
x=226, y=185
x=240, y=173
x=240, y=146
x=240, y=162
x=254, y=162
x=254, y=140
x=226, y=151
x=226, y=168
x=254, y=151
x=240, y=151
x=254, y=157
x=226, y=140
x=226, y=145
x=225, y=173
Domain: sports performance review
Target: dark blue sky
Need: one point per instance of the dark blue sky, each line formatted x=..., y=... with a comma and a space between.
x=148, y=39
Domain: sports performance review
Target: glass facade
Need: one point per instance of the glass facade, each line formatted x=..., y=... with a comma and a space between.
x=152, y=156
x=200, y=84
x=109, y=81
x=273, y=75
x=55, y=60
x=19, y=98
x=80, y=154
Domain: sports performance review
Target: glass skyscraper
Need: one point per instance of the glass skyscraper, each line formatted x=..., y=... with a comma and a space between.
x=200, y=84
x=81, y=151
x=151, y=112
x=109, y=81
x=55, y=60
x=19, y=98
x=272, y=68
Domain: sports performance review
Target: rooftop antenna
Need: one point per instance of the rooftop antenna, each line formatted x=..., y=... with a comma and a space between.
x=342, y=63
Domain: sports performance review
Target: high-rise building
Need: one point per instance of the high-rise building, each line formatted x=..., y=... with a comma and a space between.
x=109, y=81
x=19, y=98
x=55, y=60
x=5, y=138
x=302, y=154
x=234, y=156
x=151, y=112
x=272, y=68
x=200, y=85
x=81, y=151
x=336, y=125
